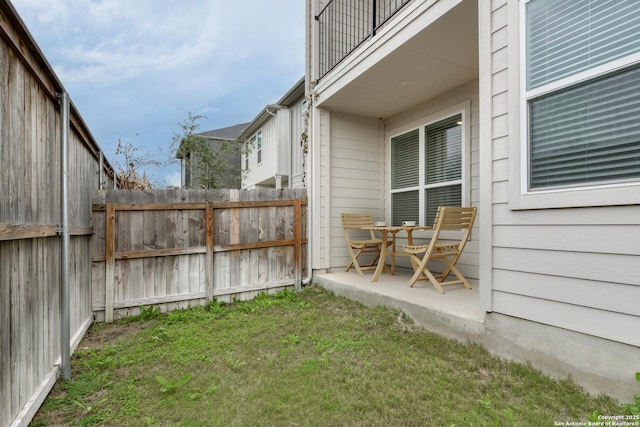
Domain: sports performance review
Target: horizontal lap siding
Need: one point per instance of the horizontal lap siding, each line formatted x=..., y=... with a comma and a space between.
x=356, y=177
x=577, y=269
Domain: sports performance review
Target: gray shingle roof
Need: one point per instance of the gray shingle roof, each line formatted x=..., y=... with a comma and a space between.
x=229, y=133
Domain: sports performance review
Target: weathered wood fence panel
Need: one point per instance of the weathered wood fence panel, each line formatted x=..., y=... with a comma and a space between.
x=30, y=213
x=175, y=248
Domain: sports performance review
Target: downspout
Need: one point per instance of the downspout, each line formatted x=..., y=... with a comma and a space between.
x=65, y=329
x=306, y=140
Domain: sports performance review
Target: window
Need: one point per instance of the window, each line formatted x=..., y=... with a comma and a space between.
x=259, y=142
x=427, y=170
x=582, y=93
x=247, y=151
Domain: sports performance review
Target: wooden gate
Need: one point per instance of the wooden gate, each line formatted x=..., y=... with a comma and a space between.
x=176, y=248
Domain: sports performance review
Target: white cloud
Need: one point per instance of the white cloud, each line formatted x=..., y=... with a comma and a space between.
x=139, y=67
x=116, y=40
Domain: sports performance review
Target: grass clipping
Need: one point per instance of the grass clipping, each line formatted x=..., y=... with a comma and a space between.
x=307, y=358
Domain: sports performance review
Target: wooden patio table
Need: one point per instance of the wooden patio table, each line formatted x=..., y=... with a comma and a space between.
x=394, y=230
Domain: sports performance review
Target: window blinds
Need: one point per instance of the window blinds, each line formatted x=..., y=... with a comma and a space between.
x=405, y=160
x=443, y=151
x=566, y=37
x=588, y=133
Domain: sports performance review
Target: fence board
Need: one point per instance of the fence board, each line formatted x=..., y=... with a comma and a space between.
x=224, y=244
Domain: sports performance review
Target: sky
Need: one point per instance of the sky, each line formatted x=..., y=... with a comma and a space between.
x=136, y=69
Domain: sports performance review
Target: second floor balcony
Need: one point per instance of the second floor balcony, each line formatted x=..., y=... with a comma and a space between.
x=345, y=24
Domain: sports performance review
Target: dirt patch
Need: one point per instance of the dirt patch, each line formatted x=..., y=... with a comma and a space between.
x=100, y=334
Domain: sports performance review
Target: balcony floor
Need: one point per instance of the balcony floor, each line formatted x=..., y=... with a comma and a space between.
x=456, y=313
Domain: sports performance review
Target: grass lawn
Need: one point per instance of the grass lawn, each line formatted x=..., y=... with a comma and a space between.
x=299, y=359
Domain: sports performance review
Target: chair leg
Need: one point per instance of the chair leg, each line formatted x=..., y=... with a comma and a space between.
x=457, y=272
x=420, y=268
x=354, y=261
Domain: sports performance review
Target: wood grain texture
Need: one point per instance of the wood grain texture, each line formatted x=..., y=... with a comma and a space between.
x=220, y=242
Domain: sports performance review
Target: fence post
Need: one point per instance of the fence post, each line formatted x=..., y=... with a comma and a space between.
x=209, y=230
x=110, y=243
x=297, y=251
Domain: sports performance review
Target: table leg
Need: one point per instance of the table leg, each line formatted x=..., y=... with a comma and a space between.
x=382, y=259
x=393, y=253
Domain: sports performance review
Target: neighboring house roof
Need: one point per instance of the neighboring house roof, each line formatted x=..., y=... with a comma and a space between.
x=230, y=133
x=292, y=95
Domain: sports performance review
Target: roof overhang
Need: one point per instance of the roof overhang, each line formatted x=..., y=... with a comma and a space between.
x=292, y=96
x=428, y=49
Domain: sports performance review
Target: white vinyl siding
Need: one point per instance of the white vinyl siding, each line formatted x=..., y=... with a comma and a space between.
x=275, y=150
x=355, y=176
x=573, y=268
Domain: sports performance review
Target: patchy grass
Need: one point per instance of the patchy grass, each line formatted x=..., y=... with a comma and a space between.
x=307, y=358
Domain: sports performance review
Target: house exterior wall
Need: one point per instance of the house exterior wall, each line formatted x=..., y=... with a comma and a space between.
x=558, y=278
x=356, y=176
x=357, y=161
x=281, y=150
x=266, y=168
x=576, y=268
x=297, y=152
x=466, y=95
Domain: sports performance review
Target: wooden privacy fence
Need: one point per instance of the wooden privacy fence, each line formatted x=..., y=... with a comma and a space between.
x=176, y=248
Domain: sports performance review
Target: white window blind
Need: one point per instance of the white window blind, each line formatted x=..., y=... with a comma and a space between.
x=589, y=133
x=583, y=132
x=566, y=37
x=441, y=163
x=405, y=160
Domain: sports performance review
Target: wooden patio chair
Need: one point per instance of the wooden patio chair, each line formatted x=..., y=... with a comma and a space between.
x=448, y=250
x=359, y=246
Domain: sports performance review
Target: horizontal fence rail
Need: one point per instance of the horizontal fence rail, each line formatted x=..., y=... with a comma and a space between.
x=345, y=24
x=191, y=252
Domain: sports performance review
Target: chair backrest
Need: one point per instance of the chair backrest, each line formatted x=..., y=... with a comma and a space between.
x=353, y=221
x=454, y=218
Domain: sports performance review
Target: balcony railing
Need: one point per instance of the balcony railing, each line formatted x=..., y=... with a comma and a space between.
x=345, y=24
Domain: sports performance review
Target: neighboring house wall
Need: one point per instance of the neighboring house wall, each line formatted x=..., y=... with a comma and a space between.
x=230, y=176
x=262, y=173
x=576, y=268
x=274, y=154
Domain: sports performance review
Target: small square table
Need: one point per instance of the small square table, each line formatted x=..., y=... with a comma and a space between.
x=393, y=229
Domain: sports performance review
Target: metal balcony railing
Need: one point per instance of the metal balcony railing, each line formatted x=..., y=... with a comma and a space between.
x=345, y=24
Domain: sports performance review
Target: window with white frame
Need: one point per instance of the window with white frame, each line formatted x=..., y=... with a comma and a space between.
x=427, y=170
x=247, y=151
x=259, y=146
x=582, y=92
